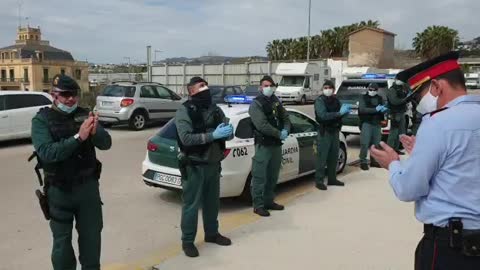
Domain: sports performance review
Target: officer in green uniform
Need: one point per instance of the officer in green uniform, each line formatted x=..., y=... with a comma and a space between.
x=329, y=113
x=397, y=106
x=371, y=112
x=202, y=130
x=65, y=137
x=271, y=126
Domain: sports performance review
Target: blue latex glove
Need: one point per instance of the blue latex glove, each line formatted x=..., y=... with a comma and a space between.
x=283, y=134
x=222, y=131
x=384, y=108
x=345, y=109
x=379, y=108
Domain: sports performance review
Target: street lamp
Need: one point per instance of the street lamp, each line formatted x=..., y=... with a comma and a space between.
x=308, y=41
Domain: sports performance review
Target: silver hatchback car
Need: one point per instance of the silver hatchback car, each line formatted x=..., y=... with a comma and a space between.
x=136, y=104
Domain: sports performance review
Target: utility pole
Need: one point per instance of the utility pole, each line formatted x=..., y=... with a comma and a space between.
x=20, y=4
x=308, y=41
x=129, y=67
x=149, y=63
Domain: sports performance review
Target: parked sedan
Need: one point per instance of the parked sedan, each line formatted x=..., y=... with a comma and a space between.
x=160, y=167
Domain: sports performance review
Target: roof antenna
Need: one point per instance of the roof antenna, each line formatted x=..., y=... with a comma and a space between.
x=20, y=4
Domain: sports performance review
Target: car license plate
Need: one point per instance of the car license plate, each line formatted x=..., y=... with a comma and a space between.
x=107, y=103
x=169, y=179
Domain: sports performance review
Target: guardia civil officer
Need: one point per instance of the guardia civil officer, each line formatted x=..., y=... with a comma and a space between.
x=371, y=112
x=202, y=130
x=397, y=107
x=65, y=137
x=329, y=113
x=442, y=174
x=271, y=126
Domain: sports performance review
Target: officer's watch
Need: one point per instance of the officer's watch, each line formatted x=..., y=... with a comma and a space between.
x=77, y=137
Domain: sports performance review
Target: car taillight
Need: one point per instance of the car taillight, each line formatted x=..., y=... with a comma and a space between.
x=384, y=123
x=226, y=152
x=126, y=102
x=152, y=147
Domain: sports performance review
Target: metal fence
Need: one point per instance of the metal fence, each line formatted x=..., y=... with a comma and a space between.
x=176, y=77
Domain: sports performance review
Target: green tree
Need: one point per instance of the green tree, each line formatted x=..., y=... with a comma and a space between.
x=434, y=41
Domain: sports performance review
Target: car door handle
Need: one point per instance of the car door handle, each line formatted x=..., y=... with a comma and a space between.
x=4, y=116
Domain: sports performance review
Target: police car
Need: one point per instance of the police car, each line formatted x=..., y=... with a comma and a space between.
x=352, y=90
x=160, y=168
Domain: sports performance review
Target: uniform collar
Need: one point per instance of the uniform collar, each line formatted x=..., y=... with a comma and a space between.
x=464, y=99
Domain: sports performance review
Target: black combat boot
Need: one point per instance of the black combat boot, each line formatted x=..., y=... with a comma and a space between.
x=275, y=206
x=336, y=183
x=321, y=186
x=364, y=167
x=261, y=212
x=218, y=239
x=190, y=250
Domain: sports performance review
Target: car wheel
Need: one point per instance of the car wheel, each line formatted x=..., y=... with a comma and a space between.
x=303, y=101
x=137, y=121
x=342, y=159
x=246, y=195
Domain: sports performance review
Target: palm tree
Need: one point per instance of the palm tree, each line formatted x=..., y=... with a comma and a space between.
x=435, y=40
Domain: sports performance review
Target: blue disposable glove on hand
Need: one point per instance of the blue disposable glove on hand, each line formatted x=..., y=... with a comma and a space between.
x=384, y=108
x=345, y=109
x=222, y=131
x=283, y=134
x=379, y=108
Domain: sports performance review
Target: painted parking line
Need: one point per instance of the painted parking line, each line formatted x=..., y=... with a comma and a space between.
x=228, y=223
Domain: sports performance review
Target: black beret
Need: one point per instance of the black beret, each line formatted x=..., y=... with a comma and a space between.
x=329, y=83
x=196, y=80
x=267, y=78
x=373, y=85
x=64, y=83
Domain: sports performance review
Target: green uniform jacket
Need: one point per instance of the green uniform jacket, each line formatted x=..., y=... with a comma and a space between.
x=363, y=109
x=321, y=111
x=185, y=133
x=259, y=119
x=394, y=100
x=50, y=151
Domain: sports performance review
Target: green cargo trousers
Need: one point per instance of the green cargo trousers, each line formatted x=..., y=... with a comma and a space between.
x=265, y=170
x=396, y=130
x=82, y=204
x=371, y=134
x=201, y=188
x=327, y=155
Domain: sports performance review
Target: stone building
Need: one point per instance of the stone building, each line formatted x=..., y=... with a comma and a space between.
x=371, y=47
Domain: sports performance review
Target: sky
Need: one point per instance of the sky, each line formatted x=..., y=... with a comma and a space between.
x=108, y=31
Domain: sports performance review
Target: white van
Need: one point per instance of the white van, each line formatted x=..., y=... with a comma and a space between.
x=300, y=82
x=17, y=108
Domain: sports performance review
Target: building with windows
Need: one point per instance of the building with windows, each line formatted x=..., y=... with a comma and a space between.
x=31, y=63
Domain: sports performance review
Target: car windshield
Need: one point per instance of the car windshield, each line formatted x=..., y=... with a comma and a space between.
x=169, y=130
x=353, y=90
x=292, y=81
x=118, y=91
x=251, y=90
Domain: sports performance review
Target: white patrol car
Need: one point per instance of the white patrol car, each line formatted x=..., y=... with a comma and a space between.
x=160, y=168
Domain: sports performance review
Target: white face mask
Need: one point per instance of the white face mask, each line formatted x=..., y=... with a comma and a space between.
x=268, y=91
x=428, y=103
x=328, y=92
x=372, y=93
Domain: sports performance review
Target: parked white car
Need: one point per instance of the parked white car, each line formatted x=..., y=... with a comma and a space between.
x=160, y=167
x=17, y=108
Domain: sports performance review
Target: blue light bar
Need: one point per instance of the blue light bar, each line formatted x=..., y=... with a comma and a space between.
x=238, y=99
x=374, y=76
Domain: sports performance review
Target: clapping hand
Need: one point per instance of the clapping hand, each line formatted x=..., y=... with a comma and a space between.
x=283, y=134
x=345, y=109
x=408, y=142
x=223, y=131
x=94, y=117
x=86, y=128
x=384, y=156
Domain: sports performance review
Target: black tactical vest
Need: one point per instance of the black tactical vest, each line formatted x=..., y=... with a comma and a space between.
x=200, y=126
x=401, y=95
x=82, y=164
x=333, y=105
x=273, y=110
x=372, y=102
